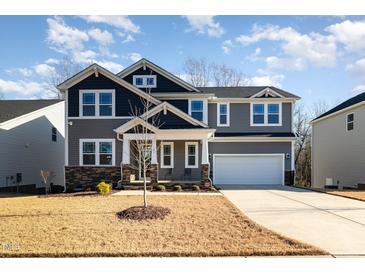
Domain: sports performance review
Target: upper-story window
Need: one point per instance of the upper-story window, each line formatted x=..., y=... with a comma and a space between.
x=145, y=81
x=198, y=109
x=265, y=114
x=223, y=114
x=97, y=103
x=350, y=121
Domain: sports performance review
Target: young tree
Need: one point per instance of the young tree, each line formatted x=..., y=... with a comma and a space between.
x=141, y=148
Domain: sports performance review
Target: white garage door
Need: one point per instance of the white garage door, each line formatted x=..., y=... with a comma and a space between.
x=250, y=169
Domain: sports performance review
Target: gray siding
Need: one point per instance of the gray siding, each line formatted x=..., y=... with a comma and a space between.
x=251, y=148
x=240, y=119
x=337, y=153
x=179, y=163
x=28, y=148
x=92, y=129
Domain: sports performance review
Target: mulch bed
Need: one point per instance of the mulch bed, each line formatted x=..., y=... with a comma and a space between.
x=140, y=213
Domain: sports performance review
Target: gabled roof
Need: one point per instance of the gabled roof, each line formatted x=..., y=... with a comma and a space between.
x=95, y=68
x=10, y=109
x=144, y=62
x=345, y=105
x=245, y=91
x=135, y=122
x=167, y=106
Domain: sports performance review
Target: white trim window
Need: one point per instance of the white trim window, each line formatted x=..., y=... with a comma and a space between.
x=266, y=114
x=97, y=103
x=223, y=114
x=145, y=81
x=97, y=152
x=198, y=109
x=191, y=154
x=167, y=155
x=350, y=121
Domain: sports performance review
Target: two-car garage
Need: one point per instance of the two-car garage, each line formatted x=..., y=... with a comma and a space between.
x=248, y=169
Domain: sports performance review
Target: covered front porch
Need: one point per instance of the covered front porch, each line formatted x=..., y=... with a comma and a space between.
x=176, y=157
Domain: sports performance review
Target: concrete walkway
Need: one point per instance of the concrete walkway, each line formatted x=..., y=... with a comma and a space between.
x=332, y=223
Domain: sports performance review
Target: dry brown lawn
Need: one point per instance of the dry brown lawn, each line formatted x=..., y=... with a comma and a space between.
x=354, y=194
x=88, y=226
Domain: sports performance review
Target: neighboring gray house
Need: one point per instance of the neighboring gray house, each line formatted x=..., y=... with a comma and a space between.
x=338, y=145
x=31, y=139
x=238, y=135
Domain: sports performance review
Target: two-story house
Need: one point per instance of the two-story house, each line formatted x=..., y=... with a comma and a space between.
x=338, y=145
x=231, y=135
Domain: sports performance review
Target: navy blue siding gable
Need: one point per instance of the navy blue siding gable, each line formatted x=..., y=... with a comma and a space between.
x=180, y=104
x=170, y=121
x=163, y=84
x=124, y=98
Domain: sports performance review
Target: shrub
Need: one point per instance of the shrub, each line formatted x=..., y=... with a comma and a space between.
x=212, y=188
x=178, y=188
x=195, y=188
x=160, y=188
x=103, y=188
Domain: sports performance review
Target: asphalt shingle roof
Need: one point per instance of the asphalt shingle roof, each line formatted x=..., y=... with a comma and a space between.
x=242, y=92
x=10, y=109
x=352, y=101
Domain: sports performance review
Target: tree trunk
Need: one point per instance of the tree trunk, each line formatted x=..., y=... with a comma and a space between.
x=144, y=187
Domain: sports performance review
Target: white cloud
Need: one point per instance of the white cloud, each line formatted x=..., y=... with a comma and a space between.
x=44, y=70
x=123, y=23
x=25, y=72
x=119, y=21
x=135, y=56
x=52, y=61
x=227, y=46
x=313, y=48
x=358, y=89
x=350, y=33
x=86, y=56
x=267, y=80
x=25, y=89
x=255, y=56
x=357, y=69
x=64, y=37
x=274, y=62
x=102, y=37
x=113, y=67
x=205, y=24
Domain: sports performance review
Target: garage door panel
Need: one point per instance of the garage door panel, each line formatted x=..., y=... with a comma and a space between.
x=248, y=169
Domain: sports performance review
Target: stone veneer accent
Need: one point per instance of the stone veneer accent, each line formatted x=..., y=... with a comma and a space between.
x=83, y=177
x=127, y=171
x=153, y=173
x=205, y=181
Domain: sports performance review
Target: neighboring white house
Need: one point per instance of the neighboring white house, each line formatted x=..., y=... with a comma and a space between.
x=338, y=145
x=31, y=139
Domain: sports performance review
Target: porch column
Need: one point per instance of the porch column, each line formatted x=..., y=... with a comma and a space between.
x=154, y=152
x=126, y=169
x=205, y=156
x=205, y=180
x=126, y=158
x=154, y=165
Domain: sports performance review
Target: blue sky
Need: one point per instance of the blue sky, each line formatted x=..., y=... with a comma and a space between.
x=320, y=58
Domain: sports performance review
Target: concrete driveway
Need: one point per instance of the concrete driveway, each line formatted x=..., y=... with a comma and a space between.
x=332, y=223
